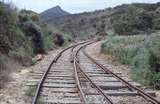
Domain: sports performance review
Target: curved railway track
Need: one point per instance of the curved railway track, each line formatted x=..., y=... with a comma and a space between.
x=80, y=74
x=69, y=80
x=44, y=76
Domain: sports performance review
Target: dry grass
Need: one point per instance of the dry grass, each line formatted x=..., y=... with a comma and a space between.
x=6, y=68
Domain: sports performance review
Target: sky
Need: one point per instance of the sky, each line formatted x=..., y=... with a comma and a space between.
x=72, y=6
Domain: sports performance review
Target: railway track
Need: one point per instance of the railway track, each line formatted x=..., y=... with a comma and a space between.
x=82, y=78
x=56, y=82
x=74, y=77
x=128, y=87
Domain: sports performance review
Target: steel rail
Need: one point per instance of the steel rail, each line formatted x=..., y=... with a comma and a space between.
x=39, y=87
x=82, y=95
x=97, y=87
x=107, y=71
x=72, y=49
x=76, y=64
x=73, y=60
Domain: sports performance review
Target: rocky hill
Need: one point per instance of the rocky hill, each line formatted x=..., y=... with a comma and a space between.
x=53, y=14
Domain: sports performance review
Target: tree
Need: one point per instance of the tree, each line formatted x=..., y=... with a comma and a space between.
x=134, y=21
x=34, y=17
x=34, y=31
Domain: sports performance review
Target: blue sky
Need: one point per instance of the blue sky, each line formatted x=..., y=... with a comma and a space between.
x=72, y=6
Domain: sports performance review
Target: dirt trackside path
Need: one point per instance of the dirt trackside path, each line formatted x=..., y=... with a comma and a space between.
x=15, y=91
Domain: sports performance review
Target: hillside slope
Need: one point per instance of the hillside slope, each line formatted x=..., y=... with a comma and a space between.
x=134, y=18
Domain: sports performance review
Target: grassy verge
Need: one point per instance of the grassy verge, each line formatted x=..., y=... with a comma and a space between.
x=141, y=52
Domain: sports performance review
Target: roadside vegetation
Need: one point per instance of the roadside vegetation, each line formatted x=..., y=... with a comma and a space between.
x=136, y=19
x=141, y=52
x=23, y=35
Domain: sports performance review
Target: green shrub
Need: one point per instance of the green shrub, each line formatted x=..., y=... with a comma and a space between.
x=3, y=61
x=67, y=39
x=126, y=55
x=135, y=20
x=141, y=52
x=156, y=23
x=21, y=55
x=48, y=43
x=123, y=49
x=141, y=60
x=59, y=39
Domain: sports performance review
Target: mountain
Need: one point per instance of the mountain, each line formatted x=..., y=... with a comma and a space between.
x=53, y=13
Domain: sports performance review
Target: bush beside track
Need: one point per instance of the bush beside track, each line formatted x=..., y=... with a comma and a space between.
x=141, y=52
